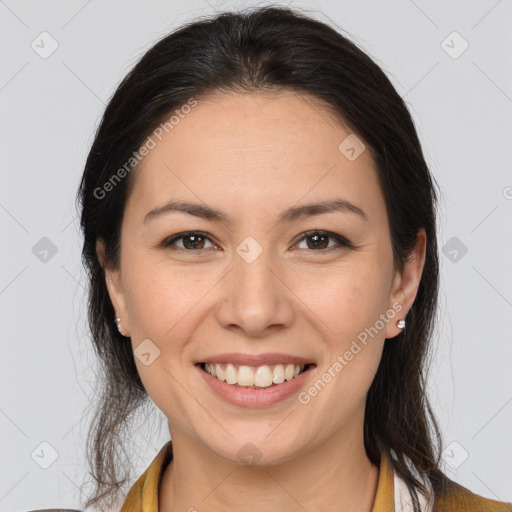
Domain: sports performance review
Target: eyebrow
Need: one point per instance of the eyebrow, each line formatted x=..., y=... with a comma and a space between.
x=291, y=214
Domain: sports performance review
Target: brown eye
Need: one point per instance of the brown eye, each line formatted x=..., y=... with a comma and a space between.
x=319, y=240
x=191, y=241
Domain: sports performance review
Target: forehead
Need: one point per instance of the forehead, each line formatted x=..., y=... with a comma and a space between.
x=253, y=147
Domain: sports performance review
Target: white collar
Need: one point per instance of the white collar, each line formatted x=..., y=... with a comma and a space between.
x=403, y=499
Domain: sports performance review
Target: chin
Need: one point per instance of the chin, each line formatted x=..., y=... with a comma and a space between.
x=257, y=450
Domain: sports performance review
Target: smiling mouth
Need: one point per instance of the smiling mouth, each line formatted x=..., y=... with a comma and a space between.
x=254, y=377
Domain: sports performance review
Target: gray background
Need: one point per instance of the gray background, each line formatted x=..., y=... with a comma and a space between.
x=462, y=106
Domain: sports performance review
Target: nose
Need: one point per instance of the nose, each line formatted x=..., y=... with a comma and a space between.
x=256, y=298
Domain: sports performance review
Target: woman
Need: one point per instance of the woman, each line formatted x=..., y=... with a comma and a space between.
x=259, y=234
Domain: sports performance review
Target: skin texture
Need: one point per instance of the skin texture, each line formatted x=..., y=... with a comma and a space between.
x=252, y=156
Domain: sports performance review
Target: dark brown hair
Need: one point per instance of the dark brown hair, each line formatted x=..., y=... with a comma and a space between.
x=263, y=49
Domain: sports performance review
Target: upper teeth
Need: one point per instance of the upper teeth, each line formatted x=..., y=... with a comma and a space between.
x=259, y=376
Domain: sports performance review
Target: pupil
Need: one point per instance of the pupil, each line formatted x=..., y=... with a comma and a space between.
x=193, y=237
x=317, y=238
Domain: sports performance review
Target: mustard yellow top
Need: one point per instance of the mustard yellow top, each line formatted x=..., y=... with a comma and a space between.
x=143, y=496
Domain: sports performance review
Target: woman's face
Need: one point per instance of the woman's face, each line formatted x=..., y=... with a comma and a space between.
x=269, y=276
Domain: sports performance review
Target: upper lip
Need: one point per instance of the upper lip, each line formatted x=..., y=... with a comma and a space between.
x=255, y=359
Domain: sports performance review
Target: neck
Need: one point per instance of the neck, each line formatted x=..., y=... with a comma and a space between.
x=336, y=475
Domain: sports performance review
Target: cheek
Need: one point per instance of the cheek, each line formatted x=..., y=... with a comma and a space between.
x=354, y=300
x=347, y=312
x=164, y=307
x=161, y=299
x=346, y=300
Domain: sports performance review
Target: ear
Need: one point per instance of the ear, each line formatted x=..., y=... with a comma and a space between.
x=115, y=288
x=406, y=283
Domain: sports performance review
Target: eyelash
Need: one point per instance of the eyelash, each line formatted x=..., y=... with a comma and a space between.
x=342, y=241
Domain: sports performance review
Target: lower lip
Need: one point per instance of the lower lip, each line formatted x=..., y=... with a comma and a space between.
x=255, y=398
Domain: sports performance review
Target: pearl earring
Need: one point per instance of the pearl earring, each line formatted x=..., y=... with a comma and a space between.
x=401, y=323
x=118, y=323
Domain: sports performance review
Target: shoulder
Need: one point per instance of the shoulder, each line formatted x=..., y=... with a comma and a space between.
x=456, y=498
